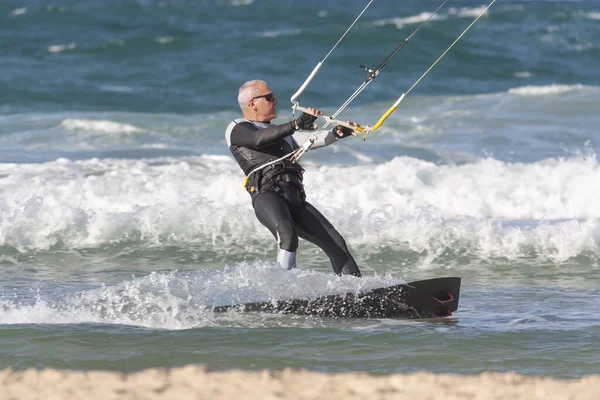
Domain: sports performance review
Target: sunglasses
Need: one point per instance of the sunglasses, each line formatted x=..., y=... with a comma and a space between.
x=270, y=97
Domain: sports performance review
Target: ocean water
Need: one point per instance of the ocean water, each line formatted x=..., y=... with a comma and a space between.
x=123, y=220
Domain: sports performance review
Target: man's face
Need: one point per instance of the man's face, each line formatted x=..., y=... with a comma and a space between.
x=264, y=104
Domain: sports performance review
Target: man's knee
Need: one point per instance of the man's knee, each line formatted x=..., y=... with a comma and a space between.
x=287, y=236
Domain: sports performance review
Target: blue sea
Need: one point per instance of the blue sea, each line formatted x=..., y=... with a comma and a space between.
x=123, y=220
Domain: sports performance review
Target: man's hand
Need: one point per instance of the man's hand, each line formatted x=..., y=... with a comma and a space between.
x=342, y=131
x=306, y=122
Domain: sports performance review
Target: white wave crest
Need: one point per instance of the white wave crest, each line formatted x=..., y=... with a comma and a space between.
x=240, y=3
x=99, y=126
x=467, y=12
x=424, y=16
x=523, y=74
x=545, y=90
x=19, y=11
x=279, y=33
x=164, y=39
x=592, y=15
x=62, y=47
x=495, y=207
x=415, y=19
x=512, y=7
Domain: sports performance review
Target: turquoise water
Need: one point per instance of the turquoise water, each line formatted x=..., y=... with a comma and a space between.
x=123, y=221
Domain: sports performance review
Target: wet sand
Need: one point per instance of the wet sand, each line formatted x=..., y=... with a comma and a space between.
x=196, y=382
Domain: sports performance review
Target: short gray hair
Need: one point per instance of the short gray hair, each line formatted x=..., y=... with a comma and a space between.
x=248, y=91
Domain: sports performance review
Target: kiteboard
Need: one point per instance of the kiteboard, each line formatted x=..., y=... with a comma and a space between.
x=431, y=298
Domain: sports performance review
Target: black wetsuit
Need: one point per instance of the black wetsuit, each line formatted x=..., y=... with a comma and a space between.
x=278, y=194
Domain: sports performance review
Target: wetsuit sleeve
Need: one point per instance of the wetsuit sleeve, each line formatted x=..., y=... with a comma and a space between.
x=247, y=135
x=325, y=138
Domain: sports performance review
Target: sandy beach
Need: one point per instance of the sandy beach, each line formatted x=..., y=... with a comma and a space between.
x=196, y=382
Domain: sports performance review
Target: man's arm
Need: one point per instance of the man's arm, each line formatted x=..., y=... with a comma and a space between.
x=247, y=135
x=325, y=138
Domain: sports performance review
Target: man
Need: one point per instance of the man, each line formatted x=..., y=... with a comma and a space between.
x=276, y=188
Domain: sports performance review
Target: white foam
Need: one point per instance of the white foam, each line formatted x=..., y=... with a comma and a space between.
x=545, y=90
x=183, y=300
x=523, y=74
x=592, y=15
x=488, y=188
x=489, y=207
x=99, y=126
x=279, y=33
x=424, y=16
x=164, y=39
x=581, y=46
x=19, y=11
x=116, y=88
x=62, y=47
x=415, y=19
x=512, y=7
x=467, y=12
x=239, y=3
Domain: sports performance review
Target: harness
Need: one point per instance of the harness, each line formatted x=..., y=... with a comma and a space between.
x=276, y=174
x=269, y=177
